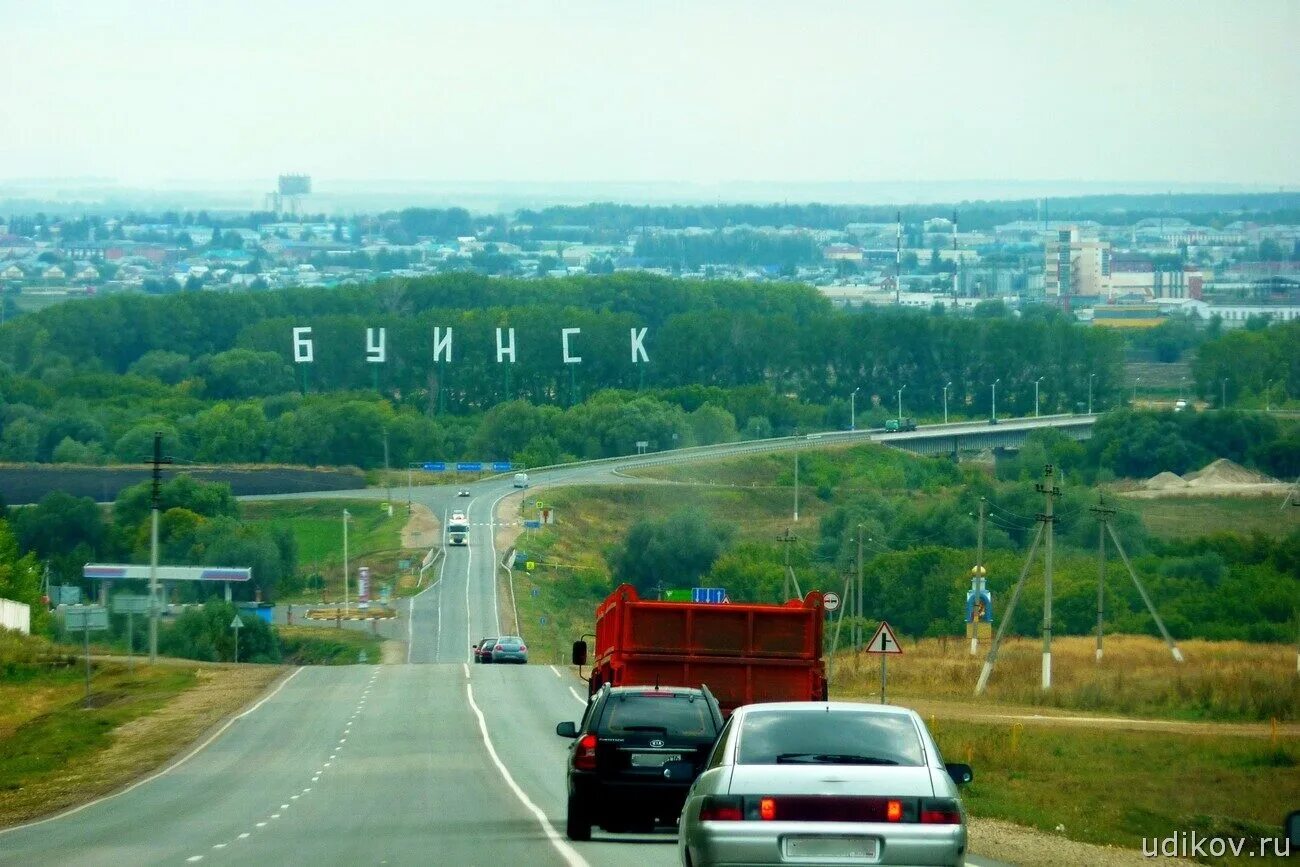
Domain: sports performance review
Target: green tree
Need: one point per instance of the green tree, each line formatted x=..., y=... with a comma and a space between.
x=670, y=552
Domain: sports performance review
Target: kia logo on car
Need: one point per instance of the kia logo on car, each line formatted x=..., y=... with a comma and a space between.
x=656, y=743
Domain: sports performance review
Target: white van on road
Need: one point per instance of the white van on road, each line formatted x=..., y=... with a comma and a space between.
x=521, y=480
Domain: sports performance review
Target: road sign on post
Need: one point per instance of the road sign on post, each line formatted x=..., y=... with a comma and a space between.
x=86, y=618
x=236, y=625
x=884, y=643
x=830, y=601
x=130, y=605
x=712, y=595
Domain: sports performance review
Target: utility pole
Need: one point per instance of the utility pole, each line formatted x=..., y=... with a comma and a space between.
x=857, y=623
x=156, y=496
x=1103, y=515
x=787, y=539
x=1050, y=492
x=1142, y=590
x=979, y=576
x=853, y=409
x=900, y=407
x=945, y=402
x=1091, y=377
x=796, y=486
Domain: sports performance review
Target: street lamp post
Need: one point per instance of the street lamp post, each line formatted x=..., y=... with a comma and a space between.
x=900, y=405
x=995, y=398
x=1091, y=377
x=853, y=409
x=945, y=402
x=1036, y=382
x=1223, y=400
x=346, y=515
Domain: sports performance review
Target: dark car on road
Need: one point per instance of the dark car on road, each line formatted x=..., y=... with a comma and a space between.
x=634, y=756
x=483, y=650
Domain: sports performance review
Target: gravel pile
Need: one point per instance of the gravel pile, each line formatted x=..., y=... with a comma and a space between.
x=1164, y=481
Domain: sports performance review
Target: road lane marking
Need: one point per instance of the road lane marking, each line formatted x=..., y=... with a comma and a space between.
x=275, y=815
x=469, y=570
x=194, y=752
x=284, y=806
x=219, y=846
x=244, y=836
x=193, y=858
x=580, y=699
x=567, y=852
x=466, y=666
x=555, y=671
x=410, y=613
x=261, y=824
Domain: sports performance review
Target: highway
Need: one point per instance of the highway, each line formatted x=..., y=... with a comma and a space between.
x=438, y=761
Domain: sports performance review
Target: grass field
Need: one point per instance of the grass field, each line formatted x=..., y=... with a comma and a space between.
x=374, y=539
x=55, y=752
x=315, y=645
x=1119, y=787
x=1188, y=517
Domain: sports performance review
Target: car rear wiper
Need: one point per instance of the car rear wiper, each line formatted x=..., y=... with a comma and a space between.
x=833, y=759
x=663, y=729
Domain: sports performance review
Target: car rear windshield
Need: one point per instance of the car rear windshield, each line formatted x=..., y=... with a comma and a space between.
x=663, y=713
x=829, y=737
x=508, y=642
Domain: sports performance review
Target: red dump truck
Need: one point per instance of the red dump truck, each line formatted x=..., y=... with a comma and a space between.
x=742, y=653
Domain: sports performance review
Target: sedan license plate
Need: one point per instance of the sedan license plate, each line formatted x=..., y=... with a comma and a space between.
x=848, y=848
x=654, y=760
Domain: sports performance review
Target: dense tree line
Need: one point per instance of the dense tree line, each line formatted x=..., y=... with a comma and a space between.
x=199, y=525
x=1260, y=364
x=89, y=381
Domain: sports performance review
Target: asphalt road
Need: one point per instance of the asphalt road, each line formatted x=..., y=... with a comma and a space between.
x=434, y=762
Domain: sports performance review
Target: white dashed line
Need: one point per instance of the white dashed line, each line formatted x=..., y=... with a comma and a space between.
x=194, y=858
x=284, y=806
x=275, y=815
x=326, y=765
x=580, y=699
x=219, y=846
x=261, y=824
x=306, y=790
x=294, y=797
x=555, y=671
x=244, y=836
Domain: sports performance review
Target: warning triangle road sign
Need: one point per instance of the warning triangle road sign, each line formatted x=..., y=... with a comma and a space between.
x=883, y=641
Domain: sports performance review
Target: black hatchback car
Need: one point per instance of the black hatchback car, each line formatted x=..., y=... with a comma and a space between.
x=635, y=754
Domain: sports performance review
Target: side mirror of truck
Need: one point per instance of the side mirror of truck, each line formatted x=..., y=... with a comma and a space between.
x=579, y=652
x=566, y=729
x=961, y=774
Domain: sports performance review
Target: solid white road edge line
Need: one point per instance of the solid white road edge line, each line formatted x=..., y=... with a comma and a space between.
x=567, y=852
x=556, y=671
x=174, y=765
x=580, y=699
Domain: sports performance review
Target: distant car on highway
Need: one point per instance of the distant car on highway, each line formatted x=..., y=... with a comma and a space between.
x=634, y=755
x=900, y=424
x=825, y=782
x=483, y=650
x=462, y=493
x=510, y=648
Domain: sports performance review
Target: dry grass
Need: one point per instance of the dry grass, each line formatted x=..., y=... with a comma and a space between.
x=55, y=753
x=1221, y=680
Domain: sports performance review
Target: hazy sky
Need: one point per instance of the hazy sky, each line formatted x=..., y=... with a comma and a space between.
x=1192, y=91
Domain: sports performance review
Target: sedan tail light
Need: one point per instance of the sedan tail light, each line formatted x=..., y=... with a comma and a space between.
x=722, y=808
x=829, y=808
x=940, y=811
x=522, y=647
x=584, y=754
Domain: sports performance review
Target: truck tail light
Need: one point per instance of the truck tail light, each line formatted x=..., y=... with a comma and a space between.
x=722, y=808
x=584, y=755
x=940, y=811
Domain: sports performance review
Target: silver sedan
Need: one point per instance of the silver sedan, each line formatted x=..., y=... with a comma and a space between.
x=825, y=783
x=510, y=648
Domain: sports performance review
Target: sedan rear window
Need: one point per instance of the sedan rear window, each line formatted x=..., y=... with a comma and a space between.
x=658, y=714
x=829, y=737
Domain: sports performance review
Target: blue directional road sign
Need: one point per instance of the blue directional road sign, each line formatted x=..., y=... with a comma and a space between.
x=435, y=466
x=532, y=525
x=502, y=466
x=714, y=595
x=469, y=467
